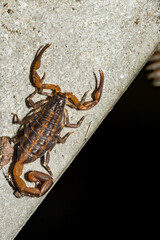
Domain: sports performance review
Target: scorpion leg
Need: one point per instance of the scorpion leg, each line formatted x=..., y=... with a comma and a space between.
x=29, y=100
x=33, y=104
x=64, y=138
x=25, y=120
x=47, y=159
x=96, y=95
x=47, y=163
x=66, y=123
x=36, y=80
x=18, y=121
x=36, y=107
x=73, y=125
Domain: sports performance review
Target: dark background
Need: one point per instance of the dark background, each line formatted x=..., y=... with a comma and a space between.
x=111, y=186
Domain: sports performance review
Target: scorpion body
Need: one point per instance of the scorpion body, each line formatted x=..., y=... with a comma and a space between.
x=39, y=135
x=42, y=129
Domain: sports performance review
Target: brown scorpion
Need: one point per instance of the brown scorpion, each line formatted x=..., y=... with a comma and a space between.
x=43, y=127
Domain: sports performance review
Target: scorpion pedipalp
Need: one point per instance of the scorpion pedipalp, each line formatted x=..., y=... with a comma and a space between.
x=96, y=95
x=35, y=78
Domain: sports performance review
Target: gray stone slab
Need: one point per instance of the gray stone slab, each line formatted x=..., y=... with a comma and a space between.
x=115, y=36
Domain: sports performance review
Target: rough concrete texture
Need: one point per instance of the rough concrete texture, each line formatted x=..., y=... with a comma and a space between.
x=116, y=36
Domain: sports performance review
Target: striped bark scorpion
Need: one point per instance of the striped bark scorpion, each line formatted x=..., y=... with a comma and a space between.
x=43, y=127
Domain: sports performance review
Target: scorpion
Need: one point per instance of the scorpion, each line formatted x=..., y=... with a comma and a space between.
x=43, y=127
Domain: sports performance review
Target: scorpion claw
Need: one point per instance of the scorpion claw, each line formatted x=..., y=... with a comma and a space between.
x=43, y=77
x=96, y=95
x=98, y=92
x=35, y=78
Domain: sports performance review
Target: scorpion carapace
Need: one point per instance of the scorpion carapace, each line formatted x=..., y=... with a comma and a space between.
x=42, y=129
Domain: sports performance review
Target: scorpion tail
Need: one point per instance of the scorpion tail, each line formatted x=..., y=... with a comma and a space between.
x=44, y=180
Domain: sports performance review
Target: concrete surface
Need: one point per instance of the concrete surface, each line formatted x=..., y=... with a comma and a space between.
x=115, y=36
